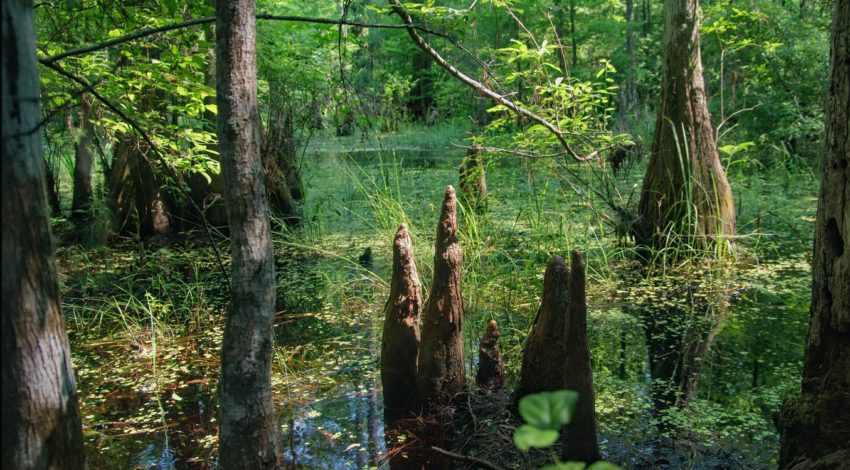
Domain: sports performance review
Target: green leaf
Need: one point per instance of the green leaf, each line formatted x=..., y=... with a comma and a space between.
x=527, y=436
x=211, y=108
x=603, y=465
x=548, y=410
x=565, y=466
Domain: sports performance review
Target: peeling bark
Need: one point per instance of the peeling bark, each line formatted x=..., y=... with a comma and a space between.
x=442, y=372
x=400, y=339
x=491, y=369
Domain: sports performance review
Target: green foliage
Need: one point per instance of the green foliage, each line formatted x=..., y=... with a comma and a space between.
x=544, y=413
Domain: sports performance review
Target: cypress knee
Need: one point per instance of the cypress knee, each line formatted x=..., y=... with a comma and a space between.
x=442, y=373
x=491, y=369
x=579, y=437
x=545, y=347
x=473, y=182
x=400, y=340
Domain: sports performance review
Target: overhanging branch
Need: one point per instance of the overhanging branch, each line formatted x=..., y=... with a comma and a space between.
x=143, y=33
x=478, y=86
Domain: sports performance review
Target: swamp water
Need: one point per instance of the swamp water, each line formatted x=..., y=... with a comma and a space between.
x=155, y=407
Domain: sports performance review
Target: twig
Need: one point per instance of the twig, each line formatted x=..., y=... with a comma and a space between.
x=143, y=33
x=466, y=458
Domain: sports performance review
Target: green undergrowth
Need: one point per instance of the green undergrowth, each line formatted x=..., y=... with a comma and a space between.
x=145, y=321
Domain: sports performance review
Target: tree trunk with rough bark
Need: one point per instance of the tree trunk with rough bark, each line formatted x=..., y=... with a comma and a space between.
x=249, y=427
x=626, y=93
x=137, y=200
x=579, y=437
x=545, y=348
x=442, y=372
x=815, y=427
x=400, y=339
x=422, y=94
x=473, y=181
x=686, y=197
x=41, y=419
x=81, y=210
x=491, y=368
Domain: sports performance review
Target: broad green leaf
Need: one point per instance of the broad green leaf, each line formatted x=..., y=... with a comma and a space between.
x=526, y=437
x=566, y=466
x=548, y=410
x=603, y=465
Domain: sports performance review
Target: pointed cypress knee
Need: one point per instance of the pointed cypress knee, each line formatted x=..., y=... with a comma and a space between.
x=473, y=181
x=579, y=437
x=491, y=369
x=400, y=339
x=545, y=347
x=442, y=373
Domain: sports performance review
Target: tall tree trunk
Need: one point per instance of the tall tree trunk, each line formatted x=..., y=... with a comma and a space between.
x=573, y=39
x=41, y=421
x=52, y=189
x=422, y=95
x=815, y=427
x=134, y=186
x=685, y=191
x=120, y=182
x=627, y=90
x=81, y=210
x=248, y=434
x=685, y=201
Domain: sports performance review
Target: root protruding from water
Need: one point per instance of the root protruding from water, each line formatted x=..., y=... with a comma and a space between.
x=400, y=339
x=442, y=372
x=491, y=369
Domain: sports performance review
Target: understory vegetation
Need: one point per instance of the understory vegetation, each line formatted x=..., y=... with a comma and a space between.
x=145, y=319
x=684, y=171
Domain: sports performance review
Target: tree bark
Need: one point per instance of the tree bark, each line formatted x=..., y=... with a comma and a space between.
x=546, y=347
x=400, y=339
x=248, y=433
x=491, y=368
x=685, y=193
x=41, y=421
x=422, y=94
x=579, y=437
x=81, y=210
x=627, y=90
x=815, y=427
x=473, y=181
x=442, y=372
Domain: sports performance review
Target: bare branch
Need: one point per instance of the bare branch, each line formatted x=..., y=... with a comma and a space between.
x=143, y=33
x=478, y=86
x=466, y=458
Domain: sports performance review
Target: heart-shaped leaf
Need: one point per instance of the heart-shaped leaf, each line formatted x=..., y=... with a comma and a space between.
x=527, y=436
x=548, y=410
